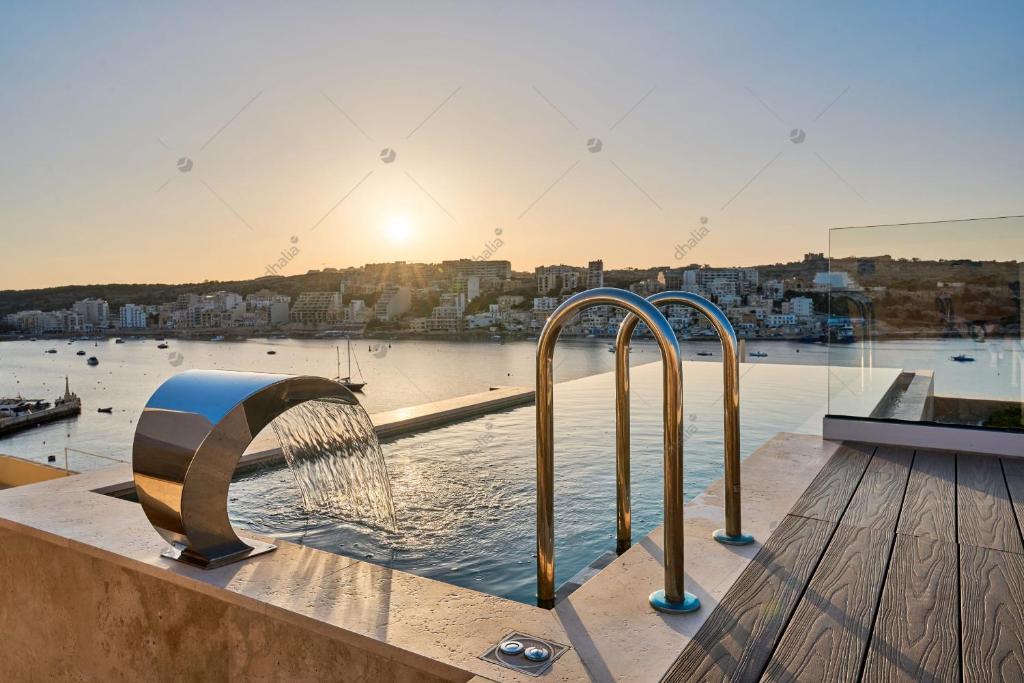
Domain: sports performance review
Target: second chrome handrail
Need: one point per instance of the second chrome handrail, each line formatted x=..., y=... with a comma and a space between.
x=732, y=534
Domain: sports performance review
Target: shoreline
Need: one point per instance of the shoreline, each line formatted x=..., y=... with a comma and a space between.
x=232, y=335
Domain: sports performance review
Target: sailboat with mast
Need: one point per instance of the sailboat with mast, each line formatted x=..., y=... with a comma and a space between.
x=347, y=380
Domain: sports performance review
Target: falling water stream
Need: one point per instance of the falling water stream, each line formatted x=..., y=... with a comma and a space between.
x=332, y=450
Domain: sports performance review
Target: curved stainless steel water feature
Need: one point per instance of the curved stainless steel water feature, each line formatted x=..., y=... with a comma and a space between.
x=673, y=598
x=188, y=442
x=732, y=534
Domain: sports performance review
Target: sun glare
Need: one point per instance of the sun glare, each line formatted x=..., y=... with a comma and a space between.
x=399, y=228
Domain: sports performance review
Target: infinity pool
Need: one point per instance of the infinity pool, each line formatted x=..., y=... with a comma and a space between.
x=465, y=494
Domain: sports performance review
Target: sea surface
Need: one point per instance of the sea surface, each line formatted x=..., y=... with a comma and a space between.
x=402, y=373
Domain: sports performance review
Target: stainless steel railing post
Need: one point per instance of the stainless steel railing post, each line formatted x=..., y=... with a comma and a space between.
x=732, y=534
x=673, y=598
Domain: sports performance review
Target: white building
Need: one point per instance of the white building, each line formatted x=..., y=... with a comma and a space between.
x=545, y=303
x=507, y=304
x=775, y=290
x=448, y=315
x=833, y=280
x=556, y=278
x=393, y=302
x=132, y=316
x=316, y=308
x=779, y=319
x=491, y=273
x=471, y=285
x=724, y=280
x=357, y=312
x=94, y=313
x=802, y=306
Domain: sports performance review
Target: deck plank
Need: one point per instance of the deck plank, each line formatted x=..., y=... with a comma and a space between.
x=739, y=636
x=929, y=509
x=828, y=635
x=877, y=501
x=827, y=496
x=1013, y=468
x=992, y=609
x=916, y=636
x=985, y=517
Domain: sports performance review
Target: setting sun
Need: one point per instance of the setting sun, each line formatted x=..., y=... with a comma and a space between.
x=399, y=228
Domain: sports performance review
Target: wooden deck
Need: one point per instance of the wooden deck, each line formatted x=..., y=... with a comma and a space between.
x=894, y=565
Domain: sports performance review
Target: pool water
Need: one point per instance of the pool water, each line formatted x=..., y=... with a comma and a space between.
x=465, y=493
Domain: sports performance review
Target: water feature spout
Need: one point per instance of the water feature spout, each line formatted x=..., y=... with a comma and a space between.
x=732, y=534
x=673, y=598
x=188, y=441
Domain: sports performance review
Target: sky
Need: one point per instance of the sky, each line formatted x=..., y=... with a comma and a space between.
x=180, y=142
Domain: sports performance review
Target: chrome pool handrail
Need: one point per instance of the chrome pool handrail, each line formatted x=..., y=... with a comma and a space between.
x=673, y=598
x=189, y=439
x=732, y=534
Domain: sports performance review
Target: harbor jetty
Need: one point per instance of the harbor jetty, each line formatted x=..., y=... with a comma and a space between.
x=20, y=413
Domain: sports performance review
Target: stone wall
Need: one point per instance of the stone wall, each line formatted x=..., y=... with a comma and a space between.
x=69, y=615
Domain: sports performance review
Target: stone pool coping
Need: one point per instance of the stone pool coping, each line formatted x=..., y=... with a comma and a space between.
x=428, y=625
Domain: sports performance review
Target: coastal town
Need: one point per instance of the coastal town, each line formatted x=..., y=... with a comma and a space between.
x=467, y=296
x=486, y=298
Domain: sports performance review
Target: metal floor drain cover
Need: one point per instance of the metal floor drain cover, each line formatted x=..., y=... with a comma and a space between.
x=515, y=657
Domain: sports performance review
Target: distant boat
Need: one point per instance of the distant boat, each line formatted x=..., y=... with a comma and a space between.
x=162, y=345
x=218, y=338
x=962, y=358
x=51, y=350
x=758, y=354
x=271, y=352
x=844, y=334
x=80, y=352
x=104, y=410
x=119, y=341
x=93, y=360
x=704, y=353
x=347, y=381
x=611, y=348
